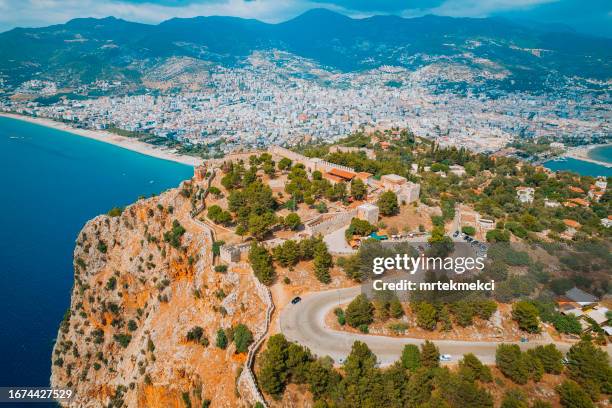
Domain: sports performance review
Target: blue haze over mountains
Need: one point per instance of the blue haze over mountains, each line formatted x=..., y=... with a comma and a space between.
x=83, y=50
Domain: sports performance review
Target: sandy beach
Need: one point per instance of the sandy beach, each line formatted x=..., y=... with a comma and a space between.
x=582, y=153
x=107, y=137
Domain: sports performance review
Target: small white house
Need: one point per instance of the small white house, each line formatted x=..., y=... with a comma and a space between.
x=551, y=204
x=525, y=194
x=457, y=170
x=601, y=183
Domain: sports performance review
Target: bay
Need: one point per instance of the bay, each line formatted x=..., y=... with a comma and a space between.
x=52, y=183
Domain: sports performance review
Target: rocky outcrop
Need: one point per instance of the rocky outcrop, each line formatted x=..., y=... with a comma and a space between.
x=142, y=280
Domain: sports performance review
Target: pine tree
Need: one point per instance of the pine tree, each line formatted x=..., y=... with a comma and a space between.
x=550, y=357
x=272, y=374
x=471, y=368
x=358, y=189
x=411, y=357
x=430, y=355
x=573, y=396
x=360, y=311
x=590, y=366
x=221, y=341
x=387, y=203
x=395, y=309
x=242, y=338
x=445, y=319
x=511, y=363
x=426, y=315
x=261, y=262
x=322, y=262
x=527, y=316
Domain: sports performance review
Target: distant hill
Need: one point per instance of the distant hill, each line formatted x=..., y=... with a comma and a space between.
x=83, y=50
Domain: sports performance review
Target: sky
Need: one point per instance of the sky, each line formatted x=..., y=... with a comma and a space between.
x=588, y=16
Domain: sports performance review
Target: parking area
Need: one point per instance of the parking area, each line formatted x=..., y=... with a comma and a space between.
x=336, y=243
x=479, y=247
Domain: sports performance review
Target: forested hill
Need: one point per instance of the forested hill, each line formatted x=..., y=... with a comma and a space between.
x=87, y=49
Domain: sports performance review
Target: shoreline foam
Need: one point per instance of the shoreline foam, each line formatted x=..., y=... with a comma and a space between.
x=110, y=138
x=582, y=153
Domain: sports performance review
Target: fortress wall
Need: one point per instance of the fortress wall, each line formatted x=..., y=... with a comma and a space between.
x=325, y=166
x=334, y=223
x=308, y=162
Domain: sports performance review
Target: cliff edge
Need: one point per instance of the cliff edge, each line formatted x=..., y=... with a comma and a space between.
x=144, y=282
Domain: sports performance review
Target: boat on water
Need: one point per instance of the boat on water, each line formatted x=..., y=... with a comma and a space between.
x=560, y=159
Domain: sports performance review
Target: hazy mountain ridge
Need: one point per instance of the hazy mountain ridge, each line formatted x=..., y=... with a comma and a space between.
x=83, y=50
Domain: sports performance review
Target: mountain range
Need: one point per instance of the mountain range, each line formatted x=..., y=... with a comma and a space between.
x=86, y=49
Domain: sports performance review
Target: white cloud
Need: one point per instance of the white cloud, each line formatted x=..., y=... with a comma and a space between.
x=483, y=8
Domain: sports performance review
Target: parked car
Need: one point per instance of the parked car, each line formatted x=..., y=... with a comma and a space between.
x=445, y=357
x=296, y=300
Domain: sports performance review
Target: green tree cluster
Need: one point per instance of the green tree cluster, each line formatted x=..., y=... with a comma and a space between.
x=173, y=237
x=261, y=262
x=429, y=316
x=254, y=207
x=218, y=215
x=243, y=338
x=359, y=227
x=519, y=366
x=290, y=252
x=415, y=381
x=527, y=316
x=360, y=311
x=387, y=203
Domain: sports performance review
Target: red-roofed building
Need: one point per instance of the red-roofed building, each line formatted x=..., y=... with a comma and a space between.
x=577, y=190
x=572, y=224
x=336, y=175
x=364, y=176
x=580, y=201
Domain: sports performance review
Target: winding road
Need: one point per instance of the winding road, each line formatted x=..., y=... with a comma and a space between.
x=304, y=323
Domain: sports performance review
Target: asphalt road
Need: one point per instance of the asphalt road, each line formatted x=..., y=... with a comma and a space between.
x=304, y=323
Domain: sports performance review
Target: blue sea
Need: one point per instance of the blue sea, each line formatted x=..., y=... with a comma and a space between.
x=585, y=168
x=52, y=183
x=602, y=153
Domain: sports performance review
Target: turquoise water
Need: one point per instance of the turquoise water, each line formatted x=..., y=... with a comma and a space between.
x=581, y=167
x=52, y=183
x=603, y=153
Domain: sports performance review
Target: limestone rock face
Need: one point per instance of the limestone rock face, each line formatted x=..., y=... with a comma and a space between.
x=142, y=281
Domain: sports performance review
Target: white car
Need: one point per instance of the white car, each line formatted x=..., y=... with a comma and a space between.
x=445, y=357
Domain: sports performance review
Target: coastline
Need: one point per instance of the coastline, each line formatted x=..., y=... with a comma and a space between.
x=582, y=153
x=110, y=138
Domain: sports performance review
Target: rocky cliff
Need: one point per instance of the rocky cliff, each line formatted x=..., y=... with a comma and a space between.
x=143, y=279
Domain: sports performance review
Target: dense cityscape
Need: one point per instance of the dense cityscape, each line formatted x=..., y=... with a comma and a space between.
x=279, y=98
